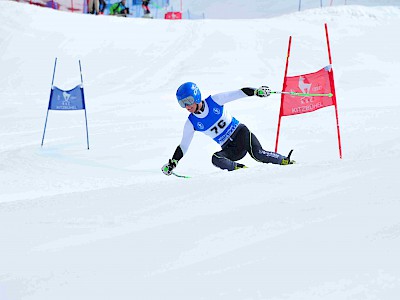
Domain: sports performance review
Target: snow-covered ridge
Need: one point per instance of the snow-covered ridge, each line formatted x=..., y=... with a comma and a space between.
x=268, y=8
x=32, y=12
x=356, y=11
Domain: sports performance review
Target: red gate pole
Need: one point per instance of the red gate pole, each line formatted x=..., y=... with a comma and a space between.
x=332, y=83
x=283, y=88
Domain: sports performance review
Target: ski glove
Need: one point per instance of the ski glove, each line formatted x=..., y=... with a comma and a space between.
x=263, y=91
x=167, y=168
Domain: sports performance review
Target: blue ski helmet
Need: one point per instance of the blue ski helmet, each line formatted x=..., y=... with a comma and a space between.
x=188, y=94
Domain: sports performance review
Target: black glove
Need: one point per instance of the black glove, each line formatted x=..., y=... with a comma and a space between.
x=167, y=168
x=263, y=91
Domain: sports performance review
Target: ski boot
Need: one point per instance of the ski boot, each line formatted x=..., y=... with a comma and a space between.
x=287, y=160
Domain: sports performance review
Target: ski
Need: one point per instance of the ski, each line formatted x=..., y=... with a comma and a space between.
x=291, y=162
x=290, y=154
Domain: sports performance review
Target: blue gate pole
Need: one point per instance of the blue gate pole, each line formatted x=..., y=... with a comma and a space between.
x=45, y=124
x=54, y=72
x=51, y=93
x=80, y=70
x=87, y=133
x=84, y=106
x=299, y=5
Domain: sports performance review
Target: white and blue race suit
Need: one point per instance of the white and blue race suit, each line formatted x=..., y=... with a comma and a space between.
x=217, y=124
x=214, y=121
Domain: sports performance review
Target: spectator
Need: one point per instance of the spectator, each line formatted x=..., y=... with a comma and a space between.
x=119, y=9
x=52, y=4
x=145, y=6
x=93, y=7
x=102, y=6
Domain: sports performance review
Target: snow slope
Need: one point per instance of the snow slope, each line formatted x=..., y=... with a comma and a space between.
x=105, y=223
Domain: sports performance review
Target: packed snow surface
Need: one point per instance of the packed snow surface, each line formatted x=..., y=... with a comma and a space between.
x=105, y=223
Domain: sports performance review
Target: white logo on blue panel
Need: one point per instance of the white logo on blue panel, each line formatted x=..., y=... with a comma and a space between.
x=200, y=125
x=66, y=98
x=217, y=111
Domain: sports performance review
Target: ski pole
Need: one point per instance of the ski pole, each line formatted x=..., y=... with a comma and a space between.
x=303, y=94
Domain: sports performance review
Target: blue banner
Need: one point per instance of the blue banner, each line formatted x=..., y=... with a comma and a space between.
x=67, y=100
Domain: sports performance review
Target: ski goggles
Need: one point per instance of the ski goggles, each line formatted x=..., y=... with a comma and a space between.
x=186, y=101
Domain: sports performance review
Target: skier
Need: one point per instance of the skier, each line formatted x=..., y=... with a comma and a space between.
x=210, y=117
